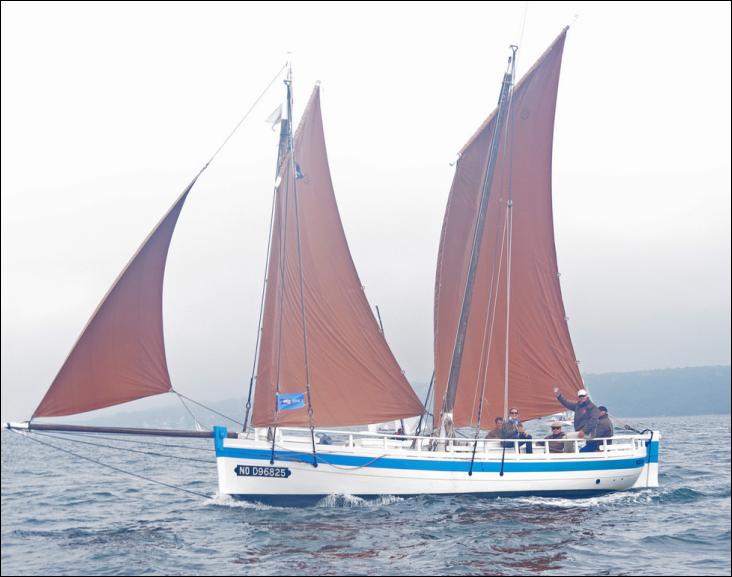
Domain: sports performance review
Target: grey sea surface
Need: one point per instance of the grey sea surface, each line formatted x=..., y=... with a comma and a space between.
x=65, y=515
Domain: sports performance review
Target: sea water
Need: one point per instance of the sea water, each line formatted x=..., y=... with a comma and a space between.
x=65, y=515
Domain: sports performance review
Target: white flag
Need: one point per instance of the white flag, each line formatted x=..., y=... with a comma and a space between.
x=275, y=117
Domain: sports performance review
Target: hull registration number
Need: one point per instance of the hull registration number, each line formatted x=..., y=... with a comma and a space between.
x=257, y=471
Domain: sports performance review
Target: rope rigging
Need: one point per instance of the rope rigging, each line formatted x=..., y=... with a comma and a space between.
x=459, y=344
x=198, y=425
x=207, y=408
x=282, y=262
x=134, y=441
x=117, y=469
x=246, y=114
x=293, y=172
x=252, y=378
x=293, y=458
x=60, y=437
x=425, y=412
x=283, y=257
x=293, y=169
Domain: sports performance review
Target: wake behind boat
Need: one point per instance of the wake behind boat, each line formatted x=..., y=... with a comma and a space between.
x=323, y=367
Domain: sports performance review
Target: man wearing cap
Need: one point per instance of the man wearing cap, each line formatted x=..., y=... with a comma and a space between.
x=556, y=434
x=603, y=430
x=585, y=413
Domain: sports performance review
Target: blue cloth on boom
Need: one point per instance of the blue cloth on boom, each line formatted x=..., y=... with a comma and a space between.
x=290, y=401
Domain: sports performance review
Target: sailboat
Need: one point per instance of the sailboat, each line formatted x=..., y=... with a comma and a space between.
x=324, y=370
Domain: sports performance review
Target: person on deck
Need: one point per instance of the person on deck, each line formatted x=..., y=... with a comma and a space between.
x=603, y=430
x=513, y=428
x=522, y=434
x=556, y=433
x=585, y=414
x=495, y=432
x=510, y=425
x=509, y=429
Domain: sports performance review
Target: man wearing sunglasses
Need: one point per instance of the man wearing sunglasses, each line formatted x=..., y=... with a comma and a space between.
x=510, y=425
x=513, y=428
x=556, y=433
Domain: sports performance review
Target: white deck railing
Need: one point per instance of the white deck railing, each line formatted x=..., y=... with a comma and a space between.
x=367, y=440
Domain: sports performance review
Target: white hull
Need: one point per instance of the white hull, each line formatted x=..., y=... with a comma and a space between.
x=381, y=466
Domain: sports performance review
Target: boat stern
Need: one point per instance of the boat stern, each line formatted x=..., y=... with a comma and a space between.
x=649, y=474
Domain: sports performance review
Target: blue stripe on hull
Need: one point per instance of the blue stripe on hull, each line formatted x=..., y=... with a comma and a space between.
x=431, y=464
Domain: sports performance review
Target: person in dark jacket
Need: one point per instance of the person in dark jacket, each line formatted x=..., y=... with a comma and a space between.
x=510, y=425
x=514, y=429
x=556, y=433
x=495, y=432
x=603, y=430
x=585, y=413
x=522, y=434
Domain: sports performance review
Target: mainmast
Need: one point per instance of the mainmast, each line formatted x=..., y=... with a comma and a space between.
x=509, y=235
x=294, y=176
x=457, y=354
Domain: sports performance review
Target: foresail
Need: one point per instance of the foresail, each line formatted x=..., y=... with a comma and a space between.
x=120, y=355
x=354, y=377
x=541, y=355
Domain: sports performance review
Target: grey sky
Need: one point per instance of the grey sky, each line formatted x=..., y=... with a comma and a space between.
x=109, y=110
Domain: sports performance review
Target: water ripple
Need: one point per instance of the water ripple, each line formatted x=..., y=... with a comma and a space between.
x=86, y=520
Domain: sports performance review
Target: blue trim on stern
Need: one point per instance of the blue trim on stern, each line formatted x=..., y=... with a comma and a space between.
x=653, y=452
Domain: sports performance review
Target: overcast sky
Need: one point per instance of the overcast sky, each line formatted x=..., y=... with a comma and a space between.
x=109, y=110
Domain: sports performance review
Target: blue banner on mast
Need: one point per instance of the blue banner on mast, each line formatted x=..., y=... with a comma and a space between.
x=290, y=401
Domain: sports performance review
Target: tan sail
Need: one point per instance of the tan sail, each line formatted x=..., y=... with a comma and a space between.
x=540, y=352
x=354, y=377
x=120, y=355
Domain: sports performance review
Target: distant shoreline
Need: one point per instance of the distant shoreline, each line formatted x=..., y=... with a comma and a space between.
x=678, y=392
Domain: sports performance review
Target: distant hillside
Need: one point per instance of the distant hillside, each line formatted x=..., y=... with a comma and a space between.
x=657, y=393
x=664, y=392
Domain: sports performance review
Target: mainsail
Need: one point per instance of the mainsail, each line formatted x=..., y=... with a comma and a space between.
x=120, y=355
x=354, y=377
x=526, y=324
